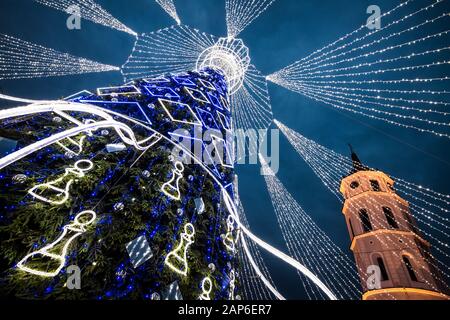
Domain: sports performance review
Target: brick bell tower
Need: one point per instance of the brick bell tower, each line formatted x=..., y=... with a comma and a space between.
x=385, y=235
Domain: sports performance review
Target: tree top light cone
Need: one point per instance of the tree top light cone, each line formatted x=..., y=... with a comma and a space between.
x=229, y=56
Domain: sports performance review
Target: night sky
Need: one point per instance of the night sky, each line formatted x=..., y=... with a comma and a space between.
x=286, y=32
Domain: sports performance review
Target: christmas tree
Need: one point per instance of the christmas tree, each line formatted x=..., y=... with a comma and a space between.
x=139, y=213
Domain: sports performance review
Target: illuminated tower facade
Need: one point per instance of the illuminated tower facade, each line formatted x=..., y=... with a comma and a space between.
x=392, y=256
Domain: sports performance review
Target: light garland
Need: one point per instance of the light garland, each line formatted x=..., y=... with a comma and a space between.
x=177, y=259
x=293, y=73
x=379, y=71
x=70, y=232
x=308, y=243
x=338, y=91
x=361, y=102
x=91, y=11
x=251, y=105
x=78, y=170
x=348, y=35
x=311, y=152
x=20, y=59
x=338, y=104
x=256, y=282
x=170, y=50
x=318, y=78
x=376, y=52
x=383, y=39
x=317, y=60
x=170, y=8
x=331, y=166
x=180, y=48
x=291, y=261
x=240, y=14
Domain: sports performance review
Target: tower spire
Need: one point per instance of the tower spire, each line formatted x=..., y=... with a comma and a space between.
x=357, y=164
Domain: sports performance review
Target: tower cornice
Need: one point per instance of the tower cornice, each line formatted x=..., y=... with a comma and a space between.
x=371, y=194
x=386, y=232
x=374, y=174
x=405, y=292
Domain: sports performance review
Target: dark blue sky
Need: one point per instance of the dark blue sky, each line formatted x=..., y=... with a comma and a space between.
x=288, y=31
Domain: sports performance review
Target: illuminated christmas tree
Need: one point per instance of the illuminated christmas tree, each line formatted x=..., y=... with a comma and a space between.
x=135, y=199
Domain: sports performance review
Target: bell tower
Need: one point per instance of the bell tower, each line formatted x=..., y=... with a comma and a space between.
x=392, y=256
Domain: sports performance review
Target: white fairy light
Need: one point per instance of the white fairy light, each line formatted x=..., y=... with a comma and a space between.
x=394, y=81
x=251, y=105
x=374, y=53
x=312, y=152
x=393, y=35
x=70, y=232
x=388, y=91
x=343, y=38
x=378, y=71
x=318, y=61
x=170, y=50
x=78, y=170
x=180, y=48
x=91, y=11
x=338, y=104
x=337, y=91
x=364, y=91
x=170, y=8
x=410, y=115
x=20, y=59
x=330, y=167
x=240, y=14
x=256, y=285
x=306, y=242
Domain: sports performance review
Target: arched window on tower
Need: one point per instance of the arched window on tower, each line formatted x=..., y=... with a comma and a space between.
x=351, y=227
x=383, y=270
x=390, y=218
x=391, y=187
x=409, y=267
x=365, y=220
x=354, y=185
x=375, y=185
x=411, y=224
